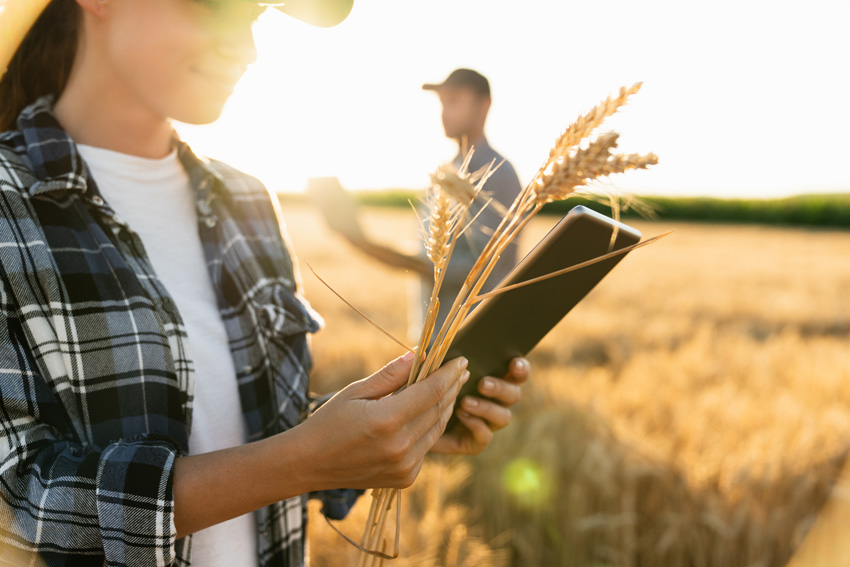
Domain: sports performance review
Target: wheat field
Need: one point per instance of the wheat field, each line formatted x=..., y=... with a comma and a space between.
x=694, y=410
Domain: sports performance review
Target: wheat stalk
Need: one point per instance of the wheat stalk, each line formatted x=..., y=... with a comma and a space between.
x=449, y=198
x=568, y=169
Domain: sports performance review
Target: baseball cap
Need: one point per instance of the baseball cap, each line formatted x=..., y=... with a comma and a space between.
x=463, y=78
x=18, y=16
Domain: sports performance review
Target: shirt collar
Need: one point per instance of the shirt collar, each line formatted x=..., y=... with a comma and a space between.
x=53, y=157
x=204, y=178
x=58, y=165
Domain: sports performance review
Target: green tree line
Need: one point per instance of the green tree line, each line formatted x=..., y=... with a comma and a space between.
x=825, y=210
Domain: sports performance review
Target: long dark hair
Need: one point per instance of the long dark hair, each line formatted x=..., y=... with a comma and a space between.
x=42, y=63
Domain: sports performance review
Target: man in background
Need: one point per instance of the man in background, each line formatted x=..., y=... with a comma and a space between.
x=465, y=99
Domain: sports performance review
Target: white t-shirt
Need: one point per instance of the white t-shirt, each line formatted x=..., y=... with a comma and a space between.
x=154, y=197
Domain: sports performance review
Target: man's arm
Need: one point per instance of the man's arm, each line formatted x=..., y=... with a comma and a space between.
x=340, y=212
x=391, y=256
x=502, y=188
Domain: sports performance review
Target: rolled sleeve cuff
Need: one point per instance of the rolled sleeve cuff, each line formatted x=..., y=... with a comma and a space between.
x=337, y=503
x=135, y=501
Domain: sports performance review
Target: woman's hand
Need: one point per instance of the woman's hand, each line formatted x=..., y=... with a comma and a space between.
x=480, y=417
x=365, y=438
x=360, y=438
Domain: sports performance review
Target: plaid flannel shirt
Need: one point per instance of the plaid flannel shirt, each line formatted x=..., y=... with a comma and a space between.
x=95, y=380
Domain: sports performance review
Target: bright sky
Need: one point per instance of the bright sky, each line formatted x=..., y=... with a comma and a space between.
x=740, y=98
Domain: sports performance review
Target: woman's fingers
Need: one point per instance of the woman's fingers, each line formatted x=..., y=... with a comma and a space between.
x=438, y=415
x=480, y=417
x=435, y=432
x=426, y=427
x=497, y=416
x=519, y=371
x=432, y=394
x=480, y=433
x=386, y=380
x=504, y=392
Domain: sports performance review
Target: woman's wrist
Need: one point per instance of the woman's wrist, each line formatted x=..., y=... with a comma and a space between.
x=286, y=465
x=221, y=485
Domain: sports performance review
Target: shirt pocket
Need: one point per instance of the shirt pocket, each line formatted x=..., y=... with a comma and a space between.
x=281, y=312
x=283, y=320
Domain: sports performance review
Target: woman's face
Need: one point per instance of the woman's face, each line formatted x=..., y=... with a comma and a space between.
x=180, y=58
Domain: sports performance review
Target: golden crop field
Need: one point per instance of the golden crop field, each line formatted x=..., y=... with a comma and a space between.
x=693, y=411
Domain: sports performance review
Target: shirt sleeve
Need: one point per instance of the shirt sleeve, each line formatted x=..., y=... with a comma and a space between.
x=337, y=503
x=59, y=496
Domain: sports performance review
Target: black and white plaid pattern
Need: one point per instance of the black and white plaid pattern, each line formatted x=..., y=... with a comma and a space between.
x=95, y=379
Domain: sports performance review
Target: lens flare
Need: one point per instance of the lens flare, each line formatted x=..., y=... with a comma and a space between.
x=527, y=482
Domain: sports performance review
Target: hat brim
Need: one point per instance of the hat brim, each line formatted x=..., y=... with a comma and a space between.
x=17, y=17
x=320, y=13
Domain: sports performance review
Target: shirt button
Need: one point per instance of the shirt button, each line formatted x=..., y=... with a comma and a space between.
x=209, y=221
x=97, y=200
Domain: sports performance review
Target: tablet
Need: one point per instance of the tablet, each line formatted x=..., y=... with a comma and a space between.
x=512, y=323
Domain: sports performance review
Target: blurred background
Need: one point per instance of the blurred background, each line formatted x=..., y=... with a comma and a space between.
x=739, y=98
x=694, y=410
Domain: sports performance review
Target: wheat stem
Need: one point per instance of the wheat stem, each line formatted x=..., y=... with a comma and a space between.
x=568, y=167
x=374, y=324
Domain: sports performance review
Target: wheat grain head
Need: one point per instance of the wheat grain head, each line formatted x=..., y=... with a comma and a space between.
x=587, y=123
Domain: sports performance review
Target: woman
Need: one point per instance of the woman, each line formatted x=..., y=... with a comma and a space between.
x=152, y=324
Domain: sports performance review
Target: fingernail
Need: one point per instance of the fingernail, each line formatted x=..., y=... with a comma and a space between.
x=408, y=356
x=464, y=362
x=464, y=377
x=487, y=385
x=470, y=402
